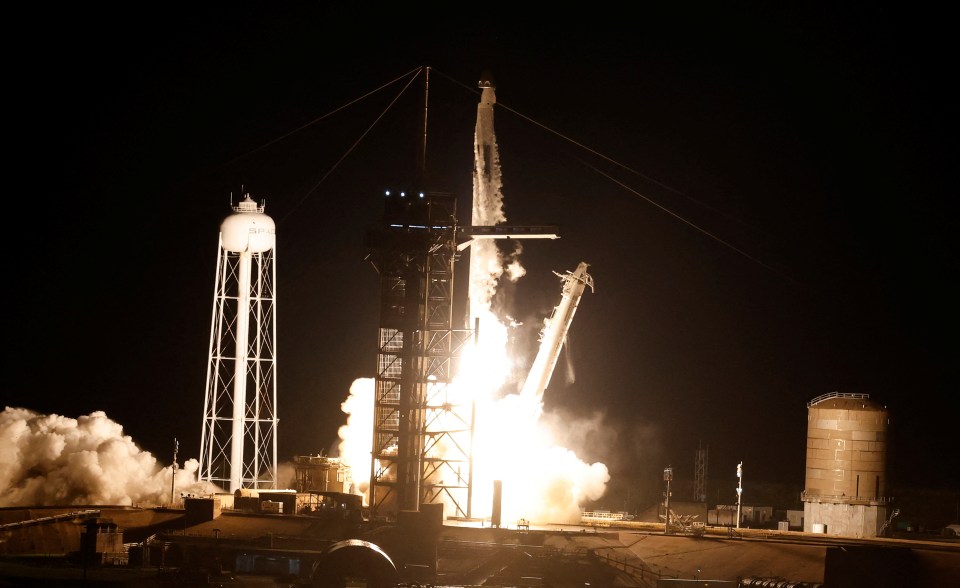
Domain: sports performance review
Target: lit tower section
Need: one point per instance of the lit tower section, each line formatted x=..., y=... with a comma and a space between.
x=422, y=430
x=238, y=447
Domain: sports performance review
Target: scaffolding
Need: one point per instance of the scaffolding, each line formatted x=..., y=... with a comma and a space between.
x=422, y=429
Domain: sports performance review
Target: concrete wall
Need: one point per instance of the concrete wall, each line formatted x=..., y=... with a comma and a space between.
x=846, y=520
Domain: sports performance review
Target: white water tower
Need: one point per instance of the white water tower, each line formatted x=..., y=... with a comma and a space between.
x=238, y=447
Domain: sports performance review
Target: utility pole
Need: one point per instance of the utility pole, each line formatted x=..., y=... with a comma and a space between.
x=739, y=489
x=173, y=478
x=668, y=477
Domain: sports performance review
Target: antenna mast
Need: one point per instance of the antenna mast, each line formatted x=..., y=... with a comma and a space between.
x=422, y=155
x=173, y=478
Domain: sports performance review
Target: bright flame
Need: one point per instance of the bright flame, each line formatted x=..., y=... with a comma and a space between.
x=542, y=481
x=356, y=442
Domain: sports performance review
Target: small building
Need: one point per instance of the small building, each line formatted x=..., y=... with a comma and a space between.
x=795, y=518
x=246, y=500
x=725, y=515
x=265, y=501
x=102, y=542
x=283, y=501
x=318, y=473
x=199, y=510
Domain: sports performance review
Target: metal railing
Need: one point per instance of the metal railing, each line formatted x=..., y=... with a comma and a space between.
x=842, y=498
x=852, y=395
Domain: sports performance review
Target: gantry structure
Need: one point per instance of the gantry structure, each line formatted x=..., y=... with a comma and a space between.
x=423, y=424
x=422, y=430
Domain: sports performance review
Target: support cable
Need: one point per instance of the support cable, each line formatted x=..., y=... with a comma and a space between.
x=350, y=149
x=685, y=221
x=325, y=116
x=646, y=177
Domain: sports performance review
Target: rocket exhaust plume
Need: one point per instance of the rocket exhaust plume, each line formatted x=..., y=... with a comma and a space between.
x=51, y=460
x=541, y=481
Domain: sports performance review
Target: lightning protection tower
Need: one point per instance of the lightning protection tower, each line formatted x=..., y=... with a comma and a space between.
x=700, y=474
x=238, y=447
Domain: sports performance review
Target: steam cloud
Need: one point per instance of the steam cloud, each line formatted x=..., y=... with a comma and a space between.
x=51, y=460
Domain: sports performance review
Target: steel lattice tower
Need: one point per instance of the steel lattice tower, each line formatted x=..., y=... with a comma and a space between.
x=700, y=474
x=238, y=447
x=422, y=431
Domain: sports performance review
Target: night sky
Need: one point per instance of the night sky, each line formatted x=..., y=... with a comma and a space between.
x=762, y=197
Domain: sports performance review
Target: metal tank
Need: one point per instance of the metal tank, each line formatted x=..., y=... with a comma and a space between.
x=248, y=229
x=845, y=482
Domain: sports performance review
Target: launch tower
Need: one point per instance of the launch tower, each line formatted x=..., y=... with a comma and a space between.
x=423, y=425
x=415, y=410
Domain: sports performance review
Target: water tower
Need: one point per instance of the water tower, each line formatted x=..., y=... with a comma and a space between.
x=845, y=483
x=238, y=447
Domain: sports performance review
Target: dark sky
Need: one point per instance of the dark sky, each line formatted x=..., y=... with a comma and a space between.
x=762, y=197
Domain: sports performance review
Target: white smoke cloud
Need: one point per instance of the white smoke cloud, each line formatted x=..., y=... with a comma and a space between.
x=543, y=479
x=286, y=474
x=50, y=460
x=512, y=266
x=356, y=441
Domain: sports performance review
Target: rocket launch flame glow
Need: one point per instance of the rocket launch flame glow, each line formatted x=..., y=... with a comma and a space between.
x=542, y=481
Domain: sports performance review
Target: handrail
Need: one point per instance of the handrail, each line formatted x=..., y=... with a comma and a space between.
x=601, y=515
x=843, y=498
x=52, y=518
x=837, y=395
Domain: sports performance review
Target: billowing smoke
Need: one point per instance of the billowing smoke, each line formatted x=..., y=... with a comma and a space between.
x=543, y=480
x=356, y=435
x=51, y=460
x=512, y=266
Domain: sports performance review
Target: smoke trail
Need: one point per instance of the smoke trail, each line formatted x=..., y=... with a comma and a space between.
x=542, y=481
x=51, y=460
x=486, y=262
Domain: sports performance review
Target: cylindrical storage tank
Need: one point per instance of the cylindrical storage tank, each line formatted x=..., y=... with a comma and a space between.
x=846, y=447
x=248, y=229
